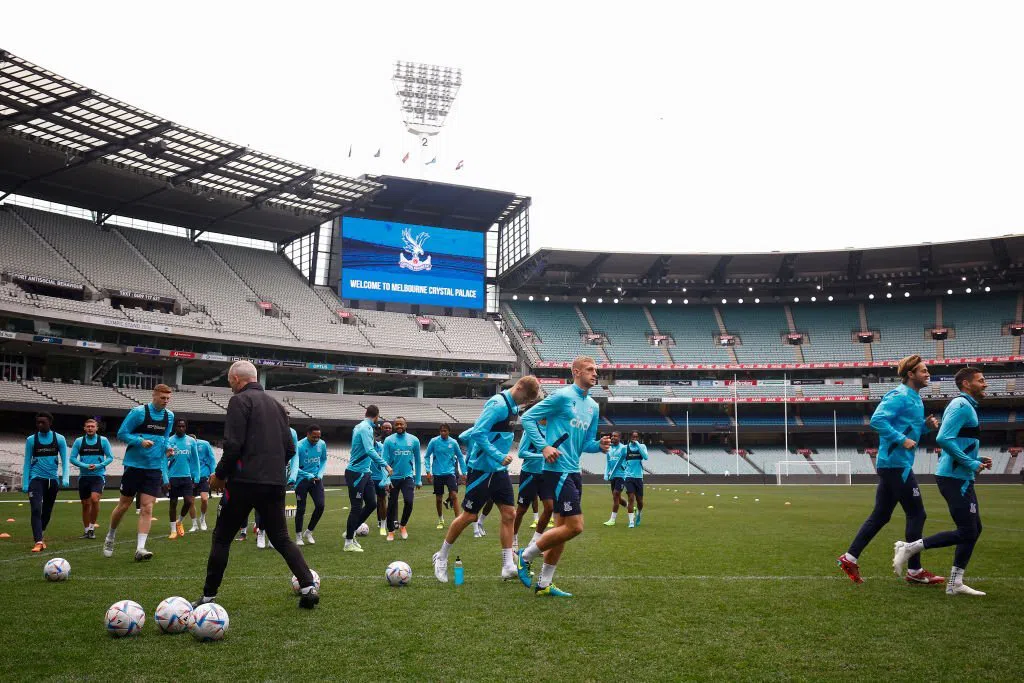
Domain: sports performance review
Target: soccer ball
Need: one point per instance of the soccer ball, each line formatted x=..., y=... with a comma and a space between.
x=125, y=618
x=57, y=569
x=398, y=573
x=209, y=622
x=173, y=615
x=363, y=530
x=296, y=588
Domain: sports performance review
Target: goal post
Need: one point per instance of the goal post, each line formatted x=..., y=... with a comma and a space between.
x=816, y=473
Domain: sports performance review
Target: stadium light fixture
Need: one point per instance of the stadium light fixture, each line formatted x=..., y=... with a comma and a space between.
x=871, y=296
x=963, y=278
x=906, y=295
x=530, y=297
x=988, y=289
x=668, y=301
x=888, y=284
x=750, y=289
x=949, y=291
x=888, y=295
x=584, y=300
x=684, y=289
x=615, y=301
x=686, y=301
x=619, y=289
x=654, y=301
x=968, y=290
x=426, y=93
x=818, y=287
x=600, y=300
x=547, y=298
x=830, y=297
x=515, y=297
x=796, y=299
x=739, y=301
x=814, y=299
x=757, y=301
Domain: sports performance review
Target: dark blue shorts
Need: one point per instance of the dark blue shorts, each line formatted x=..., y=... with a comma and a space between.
x=487, y=486
x=136, y=480
x=88, y=485
x=361, y=488
x=635, y=485
x=202, y=487
x=618, y=483
x=529, y=487
x=181, y=486
x=442, y=481
x=566, y=490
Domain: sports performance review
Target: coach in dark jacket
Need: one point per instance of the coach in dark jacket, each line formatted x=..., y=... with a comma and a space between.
x=257, y=447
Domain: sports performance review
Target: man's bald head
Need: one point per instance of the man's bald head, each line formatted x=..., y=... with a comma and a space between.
x=241, y=373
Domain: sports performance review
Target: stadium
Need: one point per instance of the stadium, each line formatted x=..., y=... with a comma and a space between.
x=141, y=253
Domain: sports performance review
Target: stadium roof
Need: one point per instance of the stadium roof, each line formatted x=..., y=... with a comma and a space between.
x=998, y=261
x=406, y=200
x=62, y=142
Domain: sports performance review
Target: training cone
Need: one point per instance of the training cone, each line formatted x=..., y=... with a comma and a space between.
x=10, y=519
x=788, y=503
x=5, y=535
x=711, y=507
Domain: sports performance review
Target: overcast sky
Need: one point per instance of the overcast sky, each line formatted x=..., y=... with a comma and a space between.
x=710, y=126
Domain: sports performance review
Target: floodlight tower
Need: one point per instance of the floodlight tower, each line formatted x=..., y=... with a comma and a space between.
x=426, y=93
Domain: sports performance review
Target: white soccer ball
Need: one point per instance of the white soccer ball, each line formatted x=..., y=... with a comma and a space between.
x=363, y=530
x=209, y=622
x=398, y=573
x=57, y=569
x=173, y=615
x=296, y=588
x=125, y=618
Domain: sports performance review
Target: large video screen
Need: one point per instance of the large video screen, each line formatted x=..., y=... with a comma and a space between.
x=411, y=264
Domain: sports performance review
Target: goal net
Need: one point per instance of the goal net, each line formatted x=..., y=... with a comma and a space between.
x=820, y=473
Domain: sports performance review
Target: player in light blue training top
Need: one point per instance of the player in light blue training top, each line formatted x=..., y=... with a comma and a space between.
x=632, y=460
x=489, y=441
x=183, y=473
x=307, y=471
x=572, y=417
x=615, y=474
x=530, y=477
x=91, y=455
x=362, y=495
x=145, y=429
x=899, y=420
x=207, y=464
x=443, y=455
x=960, y=438
x=402, y=453
x=44, y=450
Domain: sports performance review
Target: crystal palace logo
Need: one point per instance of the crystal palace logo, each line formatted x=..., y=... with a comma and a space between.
x=415, y=247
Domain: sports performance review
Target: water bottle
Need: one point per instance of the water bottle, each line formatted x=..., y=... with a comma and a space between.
x=458, y=571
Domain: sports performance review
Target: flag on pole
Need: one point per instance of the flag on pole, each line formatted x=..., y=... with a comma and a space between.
x=350, y=151
x=405, y=158
x=377, y=155
x=432, y=161
x=459, y=165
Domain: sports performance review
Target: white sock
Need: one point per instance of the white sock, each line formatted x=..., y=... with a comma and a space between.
x=917, y=546
x=506, y=559
x=547, y=575
x=614, y=515
x=536, y=516
x=536, y=537
x=914, y=572
x=850, y=557
x=531, y=551
x=956, y=576
x=174, y=527
x=632, y=517
x=140, y=543
x=111, y=532
x=440, y=519
x=381, y=524
x=87, y=527
x=480, y=520
x=445, y=548
x=202, y=517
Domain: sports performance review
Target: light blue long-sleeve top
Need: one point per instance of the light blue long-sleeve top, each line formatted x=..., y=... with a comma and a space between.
x=959, y=458
x=572, y=418
x=45, y=467
x=402, y=453
x=100, y=462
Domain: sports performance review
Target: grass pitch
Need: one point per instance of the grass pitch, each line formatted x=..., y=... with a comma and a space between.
x=747, y=590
